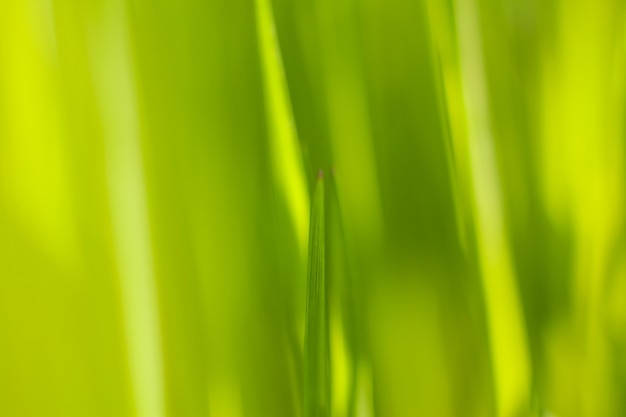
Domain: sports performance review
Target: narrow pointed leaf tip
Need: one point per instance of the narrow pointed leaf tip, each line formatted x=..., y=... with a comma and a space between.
x=316, y=351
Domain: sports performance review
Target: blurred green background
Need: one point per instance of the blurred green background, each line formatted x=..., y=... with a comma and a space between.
x=158, y=165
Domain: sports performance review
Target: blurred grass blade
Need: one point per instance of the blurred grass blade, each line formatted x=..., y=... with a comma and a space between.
x=316, y=352
x=509, y=348
x=129, y=206
x=287, y=164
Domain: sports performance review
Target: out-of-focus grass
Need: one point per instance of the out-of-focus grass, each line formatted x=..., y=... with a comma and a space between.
x=156, y=163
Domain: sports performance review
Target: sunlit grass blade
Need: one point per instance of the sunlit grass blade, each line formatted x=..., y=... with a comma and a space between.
x=286, y=156
x=510, y=357
x=289, y=180
x=316, y=351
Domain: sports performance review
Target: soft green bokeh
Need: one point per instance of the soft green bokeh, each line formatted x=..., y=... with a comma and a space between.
x=158, y=165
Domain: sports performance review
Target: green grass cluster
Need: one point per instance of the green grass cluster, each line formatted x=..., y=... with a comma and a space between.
x=312, y=208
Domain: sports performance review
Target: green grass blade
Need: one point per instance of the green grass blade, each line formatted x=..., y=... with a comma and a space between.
x=286, y=156
x=316, y=351
x=510, y=356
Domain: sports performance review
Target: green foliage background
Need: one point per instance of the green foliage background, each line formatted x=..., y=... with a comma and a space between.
x=168, y=248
